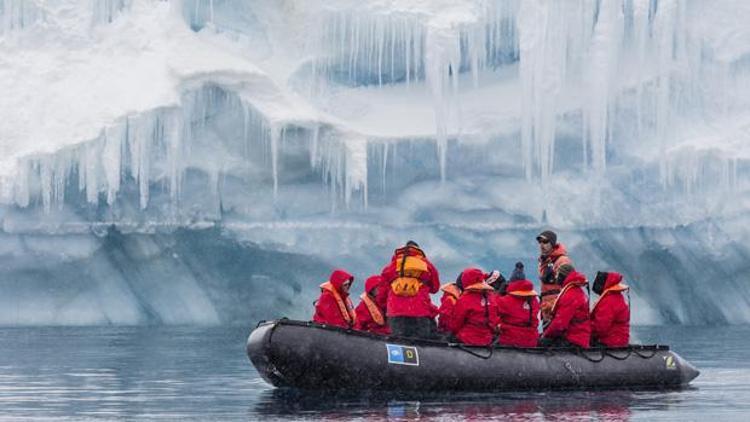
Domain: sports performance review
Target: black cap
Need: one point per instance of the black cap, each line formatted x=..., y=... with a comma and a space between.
x=412, y=243
x=549, y=235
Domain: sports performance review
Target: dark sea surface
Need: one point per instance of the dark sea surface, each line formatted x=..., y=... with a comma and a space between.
x=202, y=373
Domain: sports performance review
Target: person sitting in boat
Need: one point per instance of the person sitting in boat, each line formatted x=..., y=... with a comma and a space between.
x=518, y=311
x=451, y=293
x=610, y=316
x=474, y=318
x=570, y=323
x=334, y=307
x=498, y=283
x=552, y=256
x=371, y=309
x=412, y=278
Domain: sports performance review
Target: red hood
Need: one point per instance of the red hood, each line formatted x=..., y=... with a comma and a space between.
x=377, y=281
x=471, y=276
x=520, y=286
x=338, y=278
x=373, y=282
x=612, y=279
x=574, y=277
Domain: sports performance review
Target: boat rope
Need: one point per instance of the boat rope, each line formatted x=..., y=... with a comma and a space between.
x=644, y=356
x=490, y=348
x=614, y=356
x=583, y=353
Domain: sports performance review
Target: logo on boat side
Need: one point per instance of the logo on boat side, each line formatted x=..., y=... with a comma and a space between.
x=402, y=355
x=670, y=362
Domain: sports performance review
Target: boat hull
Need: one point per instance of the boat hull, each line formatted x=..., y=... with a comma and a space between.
x=310, y=356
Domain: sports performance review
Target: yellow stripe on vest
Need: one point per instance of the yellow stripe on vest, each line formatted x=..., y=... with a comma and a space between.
x=375, y=312
x=345, y=307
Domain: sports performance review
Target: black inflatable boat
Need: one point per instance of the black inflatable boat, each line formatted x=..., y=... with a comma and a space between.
x=305, y=355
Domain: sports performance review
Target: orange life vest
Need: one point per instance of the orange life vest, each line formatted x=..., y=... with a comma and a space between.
x=345, y=306
x=562, y=293
x=616, y=288
x=372, y=307
x=452, y=290
x=410, y=269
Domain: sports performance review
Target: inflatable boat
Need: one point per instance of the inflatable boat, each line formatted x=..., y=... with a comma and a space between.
x=305, y=355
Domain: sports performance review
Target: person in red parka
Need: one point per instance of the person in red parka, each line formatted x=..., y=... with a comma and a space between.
x=371, y=310
x=412, y=278
x=610, y=317
x=570, y=323
x=518, y=310
x=334, y=307
x=474, y=319
x=451, y=293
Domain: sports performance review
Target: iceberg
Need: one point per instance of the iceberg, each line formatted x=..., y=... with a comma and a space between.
x=331, y=131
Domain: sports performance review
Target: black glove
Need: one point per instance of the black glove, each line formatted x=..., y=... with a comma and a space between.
x=549, y=275
x=545, y=342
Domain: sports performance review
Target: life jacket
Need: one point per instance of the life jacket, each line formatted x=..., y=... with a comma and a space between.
x=345, y=305
x=564, y=290
x=451, y=291
x=616, y=288
x=372, y=307
x=410, y=269
x=557, y=258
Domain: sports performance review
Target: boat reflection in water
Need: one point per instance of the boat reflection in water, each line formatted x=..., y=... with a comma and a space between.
x=611, y=405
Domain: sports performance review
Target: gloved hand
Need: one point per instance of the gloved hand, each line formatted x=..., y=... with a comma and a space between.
x=545, y=342
x=549, y=274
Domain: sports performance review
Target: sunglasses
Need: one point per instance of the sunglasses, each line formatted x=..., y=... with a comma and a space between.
x=543, y=240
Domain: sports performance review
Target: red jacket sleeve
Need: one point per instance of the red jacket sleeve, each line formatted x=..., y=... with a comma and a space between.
x=363, y=317
x=564, y=314
x=434, y=278
x=604, y=317
x=456, y=321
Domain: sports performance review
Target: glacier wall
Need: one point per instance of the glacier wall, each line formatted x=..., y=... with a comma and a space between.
x=333, y=130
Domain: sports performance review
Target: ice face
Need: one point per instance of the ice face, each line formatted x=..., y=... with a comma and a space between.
x=306, y=125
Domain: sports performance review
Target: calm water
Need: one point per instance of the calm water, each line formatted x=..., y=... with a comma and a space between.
x=202, y=373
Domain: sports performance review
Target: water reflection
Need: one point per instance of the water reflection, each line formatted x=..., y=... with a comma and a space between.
x=601, y=405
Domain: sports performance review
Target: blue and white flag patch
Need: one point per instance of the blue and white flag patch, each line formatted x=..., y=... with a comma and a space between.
x=402, y=355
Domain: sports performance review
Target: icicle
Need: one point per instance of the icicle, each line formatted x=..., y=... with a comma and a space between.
x=276, y=133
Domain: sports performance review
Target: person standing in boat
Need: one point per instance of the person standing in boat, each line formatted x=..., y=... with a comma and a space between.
x=552, y=257
x=610, y=316
x=518, y=311
x=371, y=309
x=412, y=278
x=569, y=324
x=474, y=318
x=334, y=307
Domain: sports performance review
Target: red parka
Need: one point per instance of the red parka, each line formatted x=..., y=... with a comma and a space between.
x=474, y=316
x=451, y=293
x=610, y=317
x=371, y=309
x=334, y=307
x=556, y=258
x=570, y=313
x=518, y=311
x=419, y=305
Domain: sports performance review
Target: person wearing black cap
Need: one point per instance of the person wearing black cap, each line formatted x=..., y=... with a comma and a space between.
x=552, y=258
x=412, y=278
